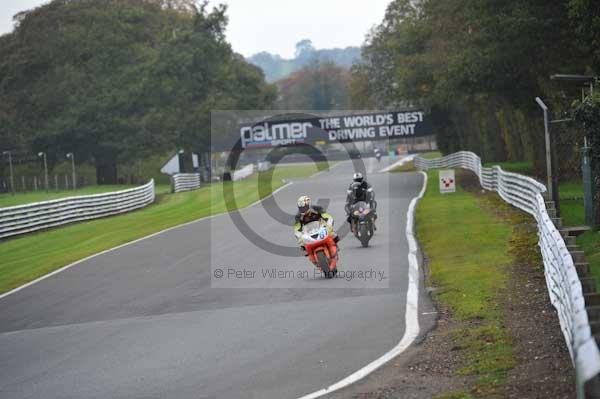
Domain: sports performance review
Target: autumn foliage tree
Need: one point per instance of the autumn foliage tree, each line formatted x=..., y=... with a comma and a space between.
x=318, y=86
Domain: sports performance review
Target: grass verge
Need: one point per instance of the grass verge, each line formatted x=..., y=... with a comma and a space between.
x=29, y=257
x=590, y=245
x=524, y=168
x=572, y=209
x=469, y=266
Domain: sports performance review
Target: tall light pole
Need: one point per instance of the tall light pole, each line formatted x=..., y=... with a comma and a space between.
x=548, y=148
x=43, y=155
x=71, y=156
x=10, y=168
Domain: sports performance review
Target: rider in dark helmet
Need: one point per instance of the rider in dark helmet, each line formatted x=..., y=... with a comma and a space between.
x=360, y=190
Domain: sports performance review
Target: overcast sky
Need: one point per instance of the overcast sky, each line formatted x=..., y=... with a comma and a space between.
x=274, y=25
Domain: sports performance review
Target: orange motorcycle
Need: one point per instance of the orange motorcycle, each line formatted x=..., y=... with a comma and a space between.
x=319, y=240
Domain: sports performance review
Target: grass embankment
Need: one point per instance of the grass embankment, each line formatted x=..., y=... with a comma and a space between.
x=29, y=257
x=38, y=196
x=590, y=245
x=572, y=209
x=468, y=249
x=524, y=168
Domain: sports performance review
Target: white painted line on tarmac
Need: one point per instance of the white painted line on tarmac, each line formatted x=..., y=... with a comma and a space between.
x=397, y=163
x=412, y=329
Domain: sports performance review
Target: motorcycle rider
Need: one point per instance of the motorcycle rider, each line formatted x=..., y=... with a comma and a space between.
x=360, y=190
x=308, y=213
x=378, y=154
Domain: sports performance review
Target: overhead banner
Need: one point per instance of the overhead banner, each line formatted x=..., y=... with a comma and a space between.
x=334, y=129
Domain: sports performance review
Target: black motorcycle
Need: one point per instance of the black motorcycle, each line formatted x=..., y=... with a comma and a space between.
x=362, y=222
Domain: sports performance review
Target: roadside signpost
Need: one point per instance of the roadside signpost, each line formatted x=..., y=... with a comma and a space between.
x=447, y=181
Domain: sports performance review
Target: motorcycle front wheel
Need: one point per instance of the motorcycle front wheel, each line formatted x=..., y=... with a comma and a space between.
x=364, y=235
x=323, y=264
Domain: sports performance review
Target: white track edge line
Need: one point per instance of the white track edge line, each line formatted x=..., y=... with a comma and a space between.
x=412, y=329
x=62, y=269
x=398, y=163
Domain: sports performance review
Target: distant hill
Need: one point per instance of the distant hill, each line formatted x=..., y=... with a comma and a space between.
x=275, y=67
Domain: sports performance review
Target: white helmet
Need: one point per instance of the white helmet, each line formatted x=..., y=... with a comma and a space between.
x=358, y=177
x=303, y=204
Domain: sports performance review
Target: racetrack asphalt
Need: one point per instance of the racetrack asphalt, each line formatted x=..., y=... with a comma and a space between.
x=151, y=320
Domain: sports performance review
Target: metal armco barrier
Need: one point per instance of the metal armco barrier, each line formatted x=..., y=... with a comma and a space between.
x=264, y=166
x=185, y=181
x=564, y=286
x=23, y=219
x=246, y=171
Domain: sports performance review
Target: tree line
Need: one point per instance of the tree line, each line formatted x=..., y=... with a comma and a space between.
x=277, y=68
x=477, y=65
x=118, y=80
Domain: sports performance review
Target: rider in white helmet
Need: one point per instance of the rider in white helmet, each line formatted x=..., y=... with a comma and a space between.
x=308, y=213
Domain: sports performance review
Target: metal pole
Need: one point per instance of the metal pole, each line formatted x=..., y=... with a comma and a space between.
x=73, y=168
x=548, y=149
x=46, y=173
x=12, y=177
x=588, y=186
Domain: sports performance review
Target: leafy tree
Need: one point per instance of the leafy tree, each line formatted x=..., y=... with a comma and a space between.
x=320, y=86
x=475, y=65
x=276, y=68
x=115, y=80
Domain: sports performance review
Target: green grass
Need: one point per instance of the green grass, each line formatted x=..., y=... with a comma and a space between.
x=572, y=210
x=469, y=264
x=525, y=168
x=454, y=395
x=431, y=155
x=590, y=244
x=37, y=196
x=29, y=257
x=407, y=167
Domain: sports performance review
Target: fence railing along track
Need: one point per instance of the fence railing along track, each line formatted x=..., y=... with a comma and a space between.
x=564, y=286
x=27, y=218
x=185, y=182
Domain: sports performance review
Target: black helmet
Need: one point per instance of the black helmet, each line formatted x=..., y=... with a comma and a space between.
x=358, y=177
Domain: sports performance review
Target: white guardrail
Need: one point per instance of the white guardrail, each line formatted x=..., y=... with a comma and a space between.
x=246, y=171
x=563, y=283
x=185, y=182
x=263, y=166
x=23, y=219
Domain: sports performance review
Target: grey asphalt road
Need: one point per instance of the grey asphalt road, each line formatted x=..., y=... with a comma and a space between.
x=150, y=320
